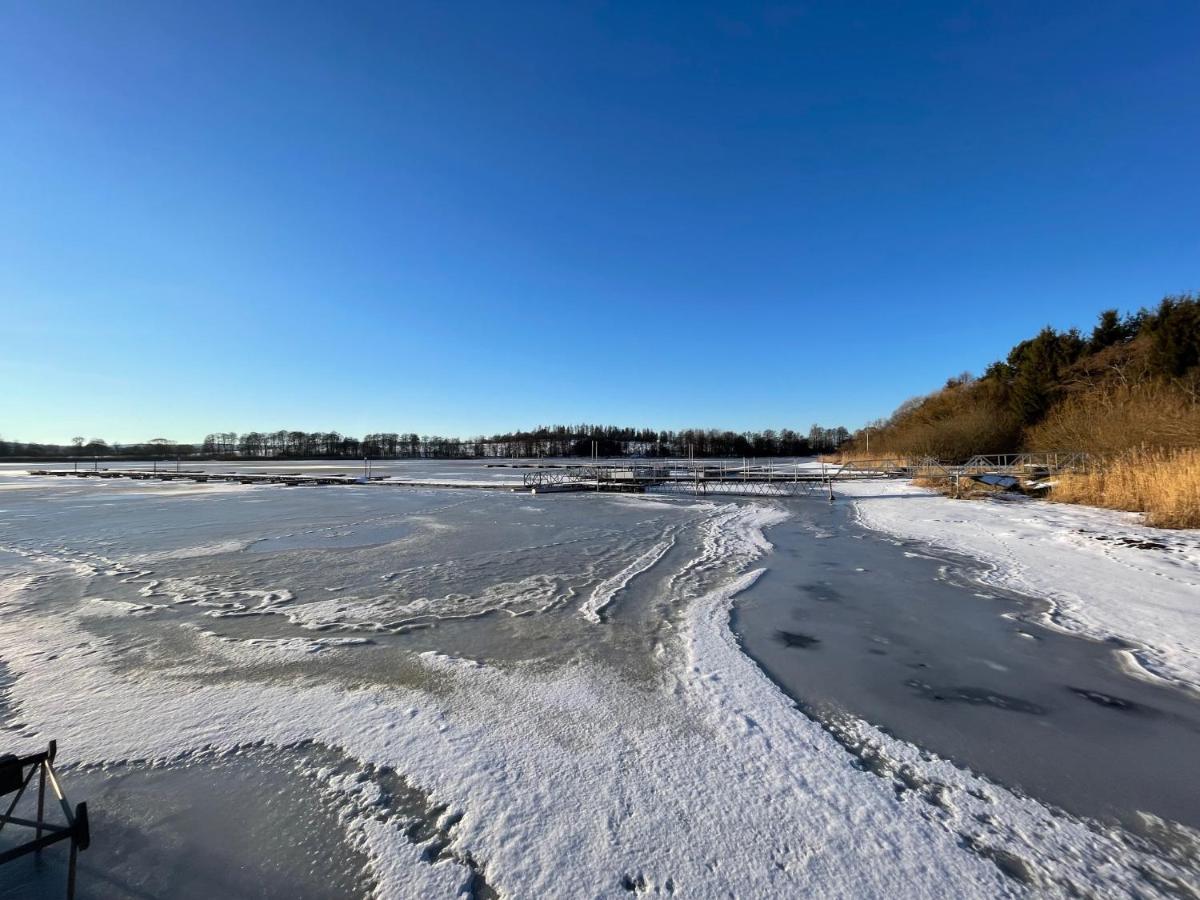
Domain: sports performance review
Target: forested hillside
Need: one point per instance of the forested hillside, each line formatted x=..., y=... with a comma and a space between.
x=1133, y=381
x=1128, y=393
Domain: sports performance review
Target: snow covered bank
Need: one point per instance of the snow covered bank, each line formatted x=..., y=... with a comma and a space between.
x=1104, y=574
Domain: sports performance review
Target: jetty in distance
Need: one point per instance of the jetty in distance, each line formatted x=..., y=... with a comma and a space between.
x=678, y=476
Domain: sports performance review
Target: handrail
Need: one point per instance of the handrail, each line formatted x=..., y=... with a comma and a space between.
x=76, y=829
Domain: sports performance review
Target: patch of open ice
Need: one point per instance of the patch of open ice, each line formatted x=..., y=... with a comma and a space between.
x=1104, y=574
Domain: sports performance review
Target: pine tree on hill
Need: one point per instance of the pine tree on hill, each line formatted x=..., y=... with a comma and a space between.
x=1175, y=336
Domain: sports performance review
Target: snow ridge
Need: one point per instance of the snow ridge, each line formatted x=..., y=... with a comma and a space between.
x=606, y=591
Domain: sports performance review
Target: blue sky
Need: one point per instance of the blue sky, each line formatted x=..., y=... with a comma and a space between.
x=459, y=218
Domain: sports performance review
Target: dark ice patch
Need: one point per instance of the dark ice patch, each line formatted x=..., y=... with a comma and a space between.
x=1108, y=701
x=822, y=592
x=795, y=639
x=975, y=697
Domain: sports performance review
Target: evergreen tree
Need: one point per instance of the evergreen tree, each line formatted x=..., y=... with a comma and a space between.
x=1110, y=329
x=1036, y=365
x=1175, y=336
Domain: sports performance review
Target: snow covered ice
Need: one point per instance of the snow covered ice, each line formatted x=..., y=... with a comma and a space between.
x=493, y=694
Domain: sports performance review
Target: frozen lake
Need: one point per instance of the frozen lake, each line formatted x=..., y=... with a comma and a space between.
x=334, y=691
x=898, y=634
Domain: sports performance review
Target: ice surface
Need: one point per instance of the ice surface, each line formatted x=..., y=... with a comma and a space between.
x=1106, y=574
x=606, y=591
x=559, y=757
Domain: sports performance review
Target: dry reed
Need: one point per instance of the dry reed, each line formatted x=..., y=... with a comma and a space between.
x=1164, y=483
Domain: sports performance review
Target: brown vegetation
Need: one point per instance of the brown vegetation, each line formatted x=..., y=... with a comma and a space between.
x=953, y=423
x=1164, y=483
x=1113, y=418
x=1128, y=395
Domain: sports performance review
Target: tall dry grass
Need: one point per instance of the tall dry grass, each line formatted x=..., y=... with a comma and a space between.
x=1163, y=483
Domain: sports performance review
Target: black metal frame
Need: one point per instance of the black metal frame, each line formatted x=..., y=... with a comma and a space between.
x=76, y=830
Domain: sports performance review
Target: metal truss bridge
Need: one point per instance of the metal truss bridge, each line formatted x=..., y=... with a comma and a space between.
x=787, y=479
x=701, y=477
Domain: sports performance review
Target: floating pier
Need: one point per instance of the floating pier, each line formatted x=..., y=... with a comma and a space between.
x=739, y=477
x=681, y=477
x=702, y=477
x=199, y=476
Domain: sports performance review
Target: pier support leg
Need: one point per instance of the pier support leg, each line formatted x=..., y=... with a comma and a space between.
x=41, y=800
x=71, y=871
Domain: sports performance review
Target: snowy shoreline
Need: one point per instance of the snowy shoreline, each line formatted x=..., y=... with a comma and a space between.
x=1103, y=574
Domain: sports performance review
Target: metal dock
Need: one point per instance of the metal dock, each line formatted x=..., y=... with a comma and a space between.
x=736, y=477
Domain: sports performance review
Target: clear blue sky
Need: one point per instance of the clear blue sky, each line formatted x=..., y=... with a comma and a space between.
x=459, y=218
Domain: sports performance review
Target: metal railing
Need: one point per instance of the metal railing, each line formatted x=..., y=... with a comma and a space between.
x=749, y=476
x=1049, y=462
x=15, y=780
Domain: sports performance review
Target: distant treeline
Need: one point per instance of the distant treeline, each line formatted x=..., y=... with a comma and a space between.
x=547, y=441
x=1133, y=382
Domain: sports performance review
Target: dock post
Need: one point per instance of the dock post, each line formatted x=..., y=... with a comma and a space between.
x=41, y=800
x=82, y=827
x=71, y=870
